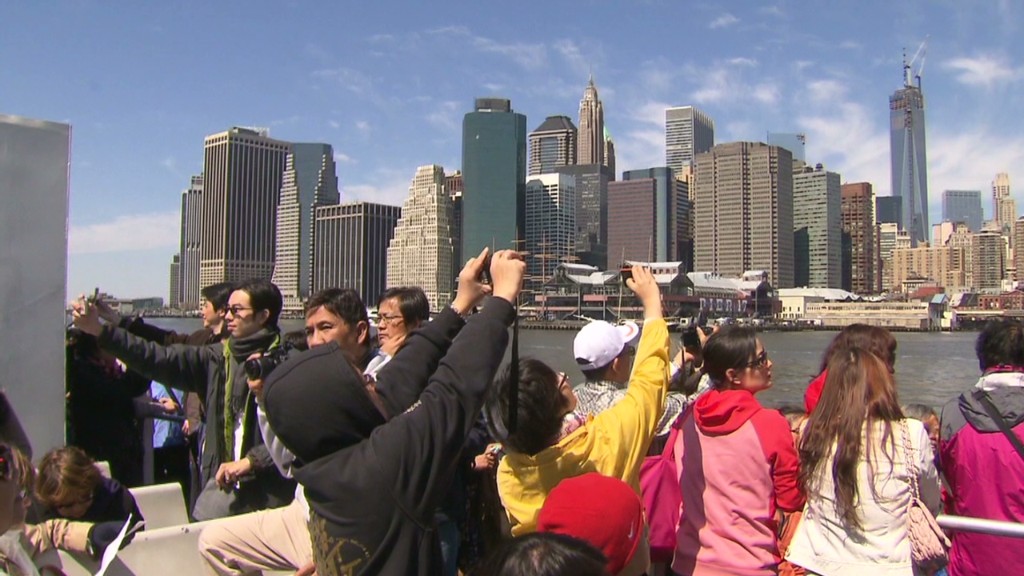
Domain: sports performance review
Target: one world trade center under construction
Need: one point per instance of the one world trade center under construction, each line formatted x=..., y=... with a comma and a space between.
x=909, y=156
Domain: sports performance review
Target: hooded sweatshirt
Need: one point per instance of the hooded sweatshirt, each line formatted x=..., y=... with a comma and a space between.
x=613, y=443
x=984, y=473
x=737, y=465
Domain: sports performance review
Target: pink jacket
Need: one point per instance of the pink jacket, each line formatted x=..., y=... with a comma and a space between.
x=737, y=466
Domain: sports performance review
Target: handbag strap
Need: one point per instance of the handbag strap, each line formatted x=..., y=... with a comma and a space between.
x=993, y=412
x=911, y=464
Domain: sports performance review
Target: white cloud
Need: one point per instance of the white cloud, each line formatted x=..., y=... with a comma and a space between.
x=749, y=62
x=363, y=126
x=528, y=56
x=824, y=92
x=334, y=124
x=723, y=21
x=342, y=158
x=390, y=187
x=352, y=80
x=125, y=233
x=766, y=93
x=984, y=70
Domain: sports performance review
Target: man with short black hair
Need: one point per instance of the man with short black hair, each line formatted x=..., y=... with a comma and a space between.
x=400, y=310
x=237, y=472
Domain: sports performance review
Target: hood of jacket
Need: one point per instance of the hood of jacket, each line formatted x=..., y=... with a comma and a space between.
x=1007, y=394
x=724, y=411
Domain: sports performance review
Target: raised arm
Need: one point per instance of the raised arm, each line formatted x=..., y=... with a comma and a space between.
x=179, y=366
x=633, y=422
x=401, y=381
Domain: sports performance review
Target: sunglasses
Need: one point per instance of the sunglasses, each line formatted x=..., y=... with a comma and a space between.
x=760, y=361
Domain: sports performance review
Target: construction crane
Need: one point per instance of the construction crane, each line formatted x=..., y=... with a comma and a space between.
x=922, y=51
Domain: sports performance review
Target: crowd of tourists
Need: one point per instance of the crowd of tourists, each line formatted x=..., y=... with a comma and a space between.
x=405, y=444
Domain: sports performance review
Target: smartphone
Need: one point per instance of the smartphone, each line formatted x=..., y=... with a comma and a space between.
x=95, y=296
x=485, y=272
x=626, y=273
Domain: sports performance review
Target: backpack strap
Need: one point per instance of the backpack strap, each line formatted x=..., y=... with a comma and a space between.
x=993, y=412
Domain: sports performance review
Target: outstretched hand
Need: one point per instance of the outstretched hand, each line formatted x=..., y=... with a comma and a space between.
x=643, y=284
x=507, y=271
x=471, y=286
x=85, y=316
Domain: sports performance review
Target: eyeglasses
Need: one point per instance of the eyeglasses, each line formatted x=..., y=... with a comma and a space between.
x=389, y=319
x=234, y=310
x=68, y=505
x=761, y=361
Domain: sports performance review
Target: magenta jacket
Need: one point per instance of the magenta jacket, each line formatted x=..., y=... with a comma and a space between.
x=985, y=474
x=737, y=467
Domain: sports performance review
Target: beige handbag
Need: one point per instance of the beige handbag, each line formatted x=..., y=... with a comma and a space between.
x=929, y=546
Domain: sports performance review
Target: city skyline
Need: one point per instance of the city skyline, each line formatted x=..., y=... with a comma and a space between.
x=387, y=89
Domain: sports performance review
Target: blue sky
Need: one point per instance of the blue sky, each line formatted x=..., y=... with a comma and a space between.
x=387, y=84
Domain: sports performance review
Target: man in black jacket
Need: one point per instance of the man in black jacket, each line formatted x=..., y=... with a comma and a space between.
x=237, y=472
x=373, y=484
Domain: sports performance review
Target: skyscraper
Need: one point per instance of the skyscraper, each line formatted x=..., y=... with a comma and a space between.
x=909, y=156
x=817, y=228
x=963, y=206
x=1004, y=209
x=493, y=176
x=632, y=216
x=192, y=226
x=552, y=144
x=989, y=260
x=453, y=186
x=421, y=250
x=688, y=132
x=744, y=211
x=242, y=172
x=350, y=246
x=591, y=133
x=591, y=211
x=609, y=152
x=174, y=298
x=889, y=209
x=671, y=213
x=550, y=223
x=858, y=214
x=309, y=180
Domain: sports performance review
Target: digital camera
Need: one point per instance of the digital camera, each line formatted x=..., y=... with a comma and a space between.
x=260, y=368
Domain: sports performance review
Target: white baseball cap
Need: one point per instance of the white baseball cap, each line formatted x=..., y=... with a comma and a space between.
x=599, y=342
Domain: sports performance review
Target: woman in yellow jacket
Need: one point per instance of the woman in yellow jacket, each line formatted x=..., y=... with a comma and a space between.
x=547, y=446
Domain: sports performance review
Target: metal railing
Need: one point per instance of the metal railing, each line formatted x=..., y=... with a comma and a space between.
x=981, y=525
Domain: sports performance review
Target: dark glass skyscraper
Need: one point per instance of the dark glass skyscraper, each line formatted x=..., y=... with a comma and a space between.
x=493, y=176
x=963, y=206
x=909, y=156
x=888, y=210
x=552, y=144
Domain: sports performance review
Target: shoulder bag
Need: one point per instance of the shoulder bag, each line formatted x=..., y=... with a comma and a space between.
x=929, y=545
x=662, y=497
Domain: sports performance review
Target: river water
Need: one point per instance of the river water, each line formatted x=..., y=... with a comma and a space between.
x=931, y=367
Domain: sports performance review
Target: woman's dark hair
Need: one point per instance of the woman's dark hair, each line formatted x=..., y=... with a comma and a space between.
x=344, y=303
x=1001, y=342
x=296, y=339
x=874, y=339
x=412, y=303
x=859, y=391
x=218, y=294
x=65, y=474
x=544, y=554
x=540, y=412
x=263, y=295
x=82, y=346
x=730, y=347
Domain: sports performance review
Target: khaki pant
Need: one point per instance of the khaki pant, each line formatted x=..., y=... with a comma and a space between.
x=276, y=539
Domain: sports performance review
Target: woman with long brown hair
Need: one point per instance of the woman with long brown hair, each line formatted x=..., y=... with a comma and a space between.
x=874, y=339
x=857, y=455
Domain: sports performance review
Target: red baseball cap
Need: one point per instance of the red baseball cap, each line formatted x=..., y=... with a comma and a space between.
x=603, y=511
